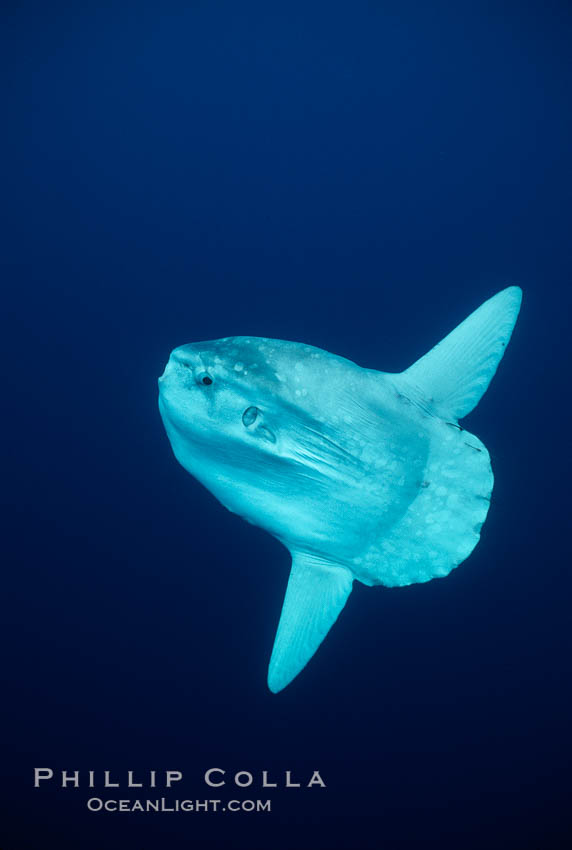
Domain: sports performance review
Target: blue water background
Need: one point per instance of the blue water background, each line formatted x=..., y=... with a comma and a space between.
x=356, y=176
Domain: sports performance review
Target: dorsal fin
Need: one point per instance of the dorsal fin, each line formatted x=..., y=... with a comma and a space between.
x=452, y=378
x=316, y=593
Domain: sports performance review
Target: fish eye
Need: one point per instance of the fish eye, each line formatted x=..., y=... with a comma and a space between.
x=204, y=378
x=249, y=416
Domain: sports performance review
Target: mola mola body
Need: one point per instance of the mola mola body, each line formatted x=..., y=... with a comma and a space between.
x=361, y=474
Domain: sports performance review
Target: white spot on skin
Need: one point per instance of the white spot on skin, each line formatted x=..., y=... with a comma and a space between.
x=238, y=367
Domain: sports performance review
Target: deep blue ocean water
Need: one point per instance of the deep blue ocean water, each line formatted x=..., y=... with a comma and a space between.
x=356, y=176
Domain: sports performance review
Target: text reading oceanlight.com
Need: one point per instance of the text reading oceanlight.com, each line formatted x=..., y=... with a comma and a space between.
x=214, y=777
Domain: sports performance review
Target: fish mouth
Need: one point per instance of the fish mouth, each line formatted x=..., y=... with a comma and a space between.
x=173, y=386
x=165, y=383
x=168, y=371
x=182, y=361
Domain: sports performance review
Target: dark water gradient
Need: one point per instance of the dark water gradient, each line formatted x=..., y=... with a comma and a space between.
x=358, y=176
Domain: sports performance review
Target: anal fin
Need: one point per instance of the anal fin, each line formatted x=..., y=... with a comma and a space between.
x=316, y=593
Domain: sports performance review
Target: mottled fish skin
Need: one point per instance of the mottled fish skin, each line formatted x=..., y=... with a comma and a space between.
x=361, y=474
x=333, y=458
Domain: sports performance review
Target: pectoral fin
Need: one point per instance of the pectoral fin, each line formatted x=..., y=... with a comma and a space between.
x=316, y=593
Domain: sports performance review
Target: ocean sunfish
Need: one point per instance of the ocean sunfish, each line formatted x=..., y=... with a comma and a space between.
x=361, y=474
